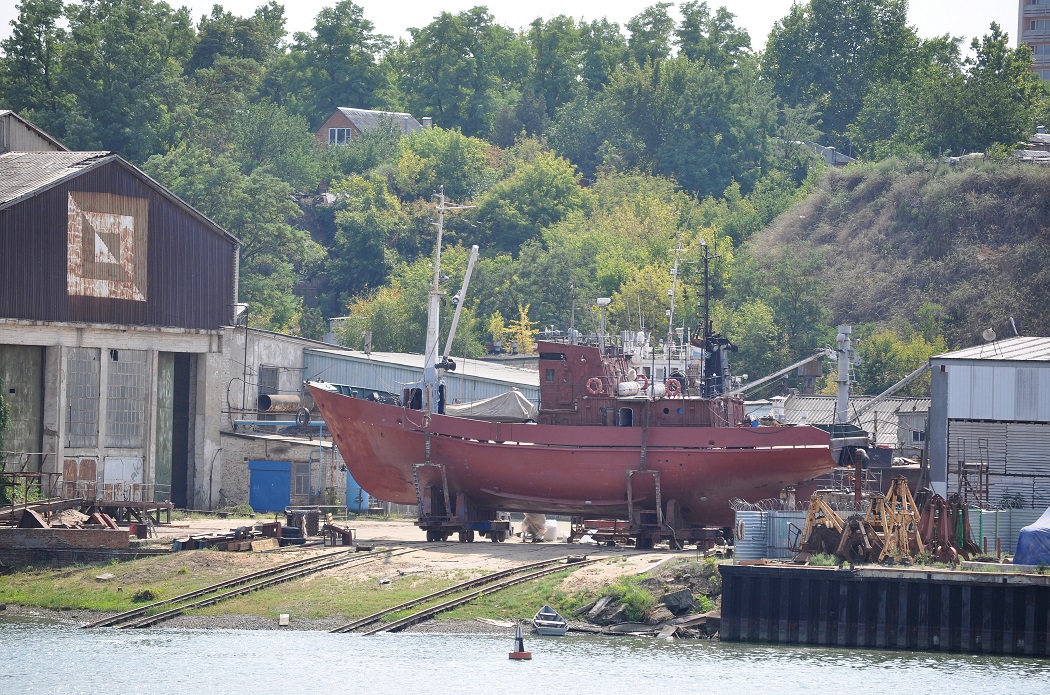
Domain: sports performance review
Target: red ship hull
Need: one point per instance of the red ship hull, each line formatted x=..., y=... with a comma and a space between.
x=578, y=470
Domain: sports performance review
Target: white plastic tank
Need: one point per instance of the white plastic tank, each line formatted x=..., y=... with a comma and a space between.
x=628, y=388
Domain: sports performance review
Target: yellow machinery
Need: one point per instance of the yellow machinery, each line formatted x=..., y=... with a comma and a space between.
x=896, y=519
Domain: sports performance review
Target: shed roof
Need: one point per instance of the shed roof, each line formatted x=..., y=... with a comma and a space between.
x=26, y=174
x=366, y=119
x=881, y=420
x=1016, y=349
x=464, y=367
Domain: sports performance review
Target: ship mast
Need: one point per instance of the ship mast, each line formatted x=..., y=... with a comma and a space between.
x=431, y=381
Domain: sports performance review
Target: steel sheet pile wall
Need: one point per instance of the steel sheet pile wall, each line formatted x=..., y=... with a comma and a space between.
x=887, y=609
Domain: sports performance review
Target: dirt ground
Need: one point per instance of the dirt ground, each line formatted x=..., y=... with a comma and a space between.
x=481, y=556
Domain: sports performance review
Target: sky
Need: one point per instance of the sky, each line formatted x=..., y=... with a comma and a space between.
x=966, y=18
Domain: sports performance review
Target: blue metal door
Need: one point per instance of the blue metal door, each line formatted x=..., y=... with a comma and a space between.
x=269, y=485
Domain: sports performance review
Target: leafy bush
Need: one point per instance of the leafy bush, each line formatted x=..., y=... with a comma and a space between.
x=824, y=560
x=635, y=599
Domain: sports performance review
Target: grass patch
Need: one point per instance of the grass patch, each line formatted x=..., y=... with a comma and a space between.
x=520, y=601
x=326, y=595
x=76, y=587
x=635, y=598
x=824, y=560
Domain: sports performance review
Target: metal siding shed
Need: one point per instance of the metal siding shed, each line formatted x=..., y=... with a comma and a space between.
x=473, y=379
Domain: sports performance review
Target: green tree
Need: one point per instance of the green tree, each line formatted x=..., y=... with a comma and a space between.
x=438, y=157
x=830, y=53
x=221, y=34
x=538, y=194
x=123, y=65
x=714, y=39
x=459, y=67
x=396, y=313
x=31, y=58
x=952, y=105
x=556, y=60
x=652, y=32
x=604, y=50
x=266, y=136
x=1001, y=90
x=256, y=208
x=334, y=65
x=367, y=216
x=887, y=357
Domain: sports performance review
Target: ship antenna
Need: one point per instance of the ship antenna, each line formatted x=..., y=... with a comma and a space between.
x=670, y=314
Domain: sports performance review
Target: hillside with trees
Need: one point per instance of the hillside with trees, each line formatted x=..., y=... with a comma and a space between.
x=588, y=157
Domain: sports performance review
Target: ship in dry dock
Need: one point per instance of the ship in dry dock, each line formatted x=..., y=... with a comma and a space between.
x=606, y=443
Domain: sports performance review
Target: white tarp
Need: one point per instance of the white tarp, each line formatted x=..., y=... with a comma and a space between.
x=506, y=407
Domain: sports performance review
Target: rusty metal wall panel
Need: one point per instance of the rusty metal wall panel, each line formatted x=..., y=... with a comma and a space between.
x=108, y=247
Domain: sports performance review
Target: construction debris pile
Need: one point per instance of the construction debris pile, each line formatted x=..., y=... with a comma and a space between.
x=65, y=519
x=892, y=530
x=267, y=536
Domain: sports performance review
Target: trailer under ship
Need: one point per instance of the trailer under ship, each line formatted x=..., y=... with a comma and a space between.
x=653, y=460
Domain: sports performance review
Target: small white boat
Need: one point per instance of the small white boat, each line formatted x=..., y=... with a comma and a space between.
x=548, y=622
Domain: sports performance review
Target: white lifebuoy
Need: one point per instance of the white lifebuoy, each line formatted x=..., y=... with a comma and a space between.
x=595, y=386
x=643, y=381
x=674, y=387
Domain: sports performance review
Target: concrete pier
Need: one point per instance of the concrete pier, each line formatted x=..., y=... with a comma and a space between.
x=883, y=608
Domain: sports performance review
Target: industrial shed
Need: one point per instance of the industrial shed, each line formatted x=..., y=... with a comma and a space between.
x=113, y=294
x=990, y=423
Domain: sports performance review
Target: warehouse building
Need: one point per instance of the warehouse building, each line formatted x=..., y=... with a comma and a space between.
x=990, y=423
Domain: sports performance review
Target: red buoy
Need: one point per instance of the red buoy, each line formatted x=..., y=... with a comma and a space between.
x=519, y=653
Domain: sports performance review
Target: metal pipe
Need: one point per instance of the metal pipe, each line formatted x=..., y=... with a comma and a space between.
x=282, y=423
x=274, y=403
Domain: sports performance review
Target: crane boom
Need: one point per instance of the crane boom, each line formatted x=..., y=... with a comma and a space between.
x=827, y=352
x=890, y=391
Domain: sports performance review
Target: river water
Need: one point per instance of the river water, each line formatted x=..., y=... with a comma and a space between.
x=48, y=659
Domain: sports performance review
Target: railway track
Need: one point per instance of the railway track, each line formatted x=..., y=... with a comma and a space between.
x=238, y=586
x=475, y=588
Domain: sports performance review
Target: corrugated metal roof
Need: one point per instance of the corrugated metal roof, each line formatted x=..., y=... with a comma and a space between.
x=365, y=119
x=880, y=420
x=1020, y=348
x=465, y=367
x=23, y=174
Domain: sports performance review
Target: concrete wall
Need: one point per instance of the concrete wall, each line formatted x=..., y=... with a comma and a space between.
x=55, y=341
x=21, y=372
x=326, y=479
x=265, y=349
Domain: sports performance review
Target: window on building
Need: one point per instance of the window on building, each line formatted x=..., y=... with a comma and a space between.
x=1042, y=49
x=1043, y=74
x=269, y=381
x=338, y=136
x=548, y=376
x=1040, y=25
x=302, y=478
x=126, y=398
x=918, y=437
x=82, y=397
